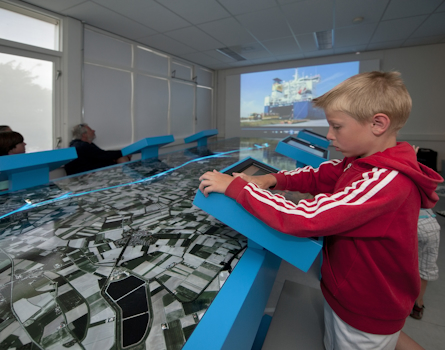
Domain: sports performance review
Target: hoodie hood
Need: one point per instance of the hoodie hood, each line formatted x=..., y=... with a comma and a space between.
x=403, y=159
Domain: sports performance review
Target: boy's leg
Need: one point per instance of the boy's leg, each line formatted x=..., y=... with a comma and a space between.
x=406, y=343
x=339, y=335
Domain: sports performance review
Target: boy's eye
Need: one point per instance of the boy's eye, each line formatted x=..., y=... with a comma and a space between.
x=335, y=127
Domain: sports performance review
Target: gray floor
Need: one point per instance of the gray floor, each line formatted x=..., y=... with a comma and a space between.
x=428, y=332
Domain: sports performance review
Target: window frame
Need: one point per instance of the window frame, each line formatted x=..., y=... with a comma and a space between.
x=35, y=52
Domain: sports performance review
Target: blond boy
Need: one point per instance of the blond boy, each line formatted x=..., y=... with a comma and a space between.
x=366, y=206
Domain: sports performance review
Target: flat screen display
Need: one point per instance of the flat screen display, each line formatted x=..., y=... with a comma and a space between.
x=280, y=101
x=251, y=167
x=305, y=146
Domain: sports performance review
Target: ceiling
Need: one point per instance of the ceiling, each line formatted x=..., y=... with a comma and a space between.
x=261, y=31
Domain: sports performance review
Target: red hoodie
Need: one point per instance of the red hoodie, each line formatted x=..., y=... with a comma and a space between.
x=367, y=209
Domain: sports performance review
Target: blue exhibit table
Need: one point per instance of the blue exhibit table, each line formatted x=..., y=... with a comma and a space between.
x=32, y=169
x=148, y=147
x=233, y=319
x=314, y=138
x=300, y=252
x=238, y=309
x=304, y=152
x=201, y=137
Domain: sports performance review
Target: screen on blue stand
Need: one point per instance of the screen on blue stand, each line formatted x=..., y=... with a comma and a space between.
x=306, y=146
x=251, y=167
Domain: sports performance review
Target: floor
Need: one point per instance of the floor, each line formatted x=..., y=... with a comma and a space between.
x=428, y=332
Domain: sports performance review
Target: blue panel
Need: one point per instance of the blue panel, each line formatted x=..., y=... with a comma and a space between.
x=29, y=178
x=32, y=169
x=301, y=156
x=201, y=137
x=300, y=252
x=232, y=320
x=314, y=138
x=149, y=147
x=262, y=332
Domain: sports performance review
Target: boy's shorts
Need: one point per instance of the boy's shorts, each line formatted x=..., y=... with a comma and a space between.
x=428, y=234
x=339, y=335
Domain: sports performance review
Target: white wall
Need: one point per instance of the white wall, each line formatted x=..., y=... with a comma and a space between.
x=422, y=69
x=131, y=92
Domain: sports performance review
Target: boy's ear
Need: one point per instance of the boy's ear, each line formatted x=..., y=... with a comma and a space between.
x=380, y=123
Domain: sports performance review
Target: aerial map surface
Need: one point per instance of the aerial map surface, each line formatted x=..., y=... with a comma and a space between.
x=118, y=258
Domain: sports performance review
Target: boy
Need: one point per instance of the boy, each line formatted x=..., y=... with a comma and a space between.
x=366, y=206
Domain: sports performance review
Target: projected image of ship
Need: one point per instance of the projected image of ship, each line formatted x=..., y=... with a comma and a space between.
x=291, y=100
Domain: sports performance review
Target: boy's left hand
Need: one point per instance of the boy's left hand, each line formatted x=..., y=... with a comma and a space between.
x=214, y=181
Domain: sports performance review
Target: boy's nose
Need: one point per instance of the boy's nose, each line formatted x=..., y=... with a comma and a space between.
x=330, y=136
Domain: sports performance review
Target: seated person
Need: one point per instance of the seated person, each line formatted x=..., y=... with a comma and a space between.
x=90, y=156
x=11, y=143
x=5, y=128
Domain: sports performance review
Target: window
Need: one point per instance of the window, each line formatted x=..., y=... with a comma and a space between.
x=29, y=88
x=26, y=97
x=28, y=30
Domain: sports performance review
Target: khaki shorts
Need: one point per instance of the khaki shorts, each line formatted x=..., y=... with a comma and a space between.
x=339, y=335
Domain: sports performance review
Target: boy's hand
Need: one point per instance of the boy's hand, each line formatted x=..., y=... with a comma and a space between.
x=214, y=181
x=263, y=181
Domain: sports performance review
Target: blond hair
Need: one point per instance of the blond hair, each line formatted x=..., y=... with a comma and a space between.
x=367, y=94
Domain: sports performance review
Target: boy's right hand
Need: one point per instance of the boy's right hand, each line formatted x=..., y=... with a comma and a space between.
x=263, y=181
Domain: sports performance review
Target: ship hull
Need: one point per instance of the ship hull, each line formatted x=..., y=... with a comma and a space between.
x=296, y=110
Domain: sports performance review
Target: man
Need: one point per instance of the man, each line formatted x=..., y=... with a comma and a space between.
x=90, y=156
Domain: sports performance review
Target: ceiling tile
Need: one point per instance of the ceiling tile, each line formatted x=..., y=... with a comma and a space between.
x=309, y=16
x=237, y=7
x=219, y=66
x=350, y=49
x=354, y=35
x=265, y=24
x=56, y=6
x=295, y=56
x=347, y=10
x=106, y=19
x=423, y=41
x=282, y=46
x=385, y=45
x=319, y=53
x=403, y=8
x=196, y=11
x=146, y=12
x=166, y=44
x=307, y=42
x=264, y=60
x=396, y=29
x=196, y=38
x=441, y=8
x=201, y=59
x=228, y=31
x=254, y=51
x=283, y=2
x=434, y=25
x=219, y=56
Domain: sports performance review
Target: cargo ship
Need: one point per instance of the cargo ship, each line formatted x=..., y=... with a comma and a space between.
x=291, y=99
